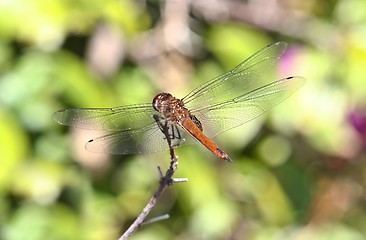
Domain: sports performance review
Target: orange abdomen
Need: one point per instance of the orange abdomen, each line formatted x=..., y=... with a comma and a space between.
x=196, y=133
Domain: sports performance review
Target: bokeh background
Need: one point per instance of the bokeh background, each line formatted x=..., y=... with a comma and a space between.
x=299, y=171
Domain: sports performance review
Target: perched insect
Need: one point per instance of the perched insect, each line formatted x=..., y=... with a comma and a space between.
x=223, y=103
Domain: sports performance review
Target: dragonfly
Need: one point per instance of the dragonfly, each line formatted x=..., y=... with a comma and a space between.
x=223, y=103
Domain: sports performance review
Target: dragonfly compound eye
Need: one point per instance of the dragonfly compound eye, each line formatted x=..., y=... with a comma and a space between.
x=160, y=100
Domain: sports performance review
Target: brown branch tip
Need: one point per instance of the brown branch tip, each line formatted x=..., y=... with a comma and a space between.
x=165, y=181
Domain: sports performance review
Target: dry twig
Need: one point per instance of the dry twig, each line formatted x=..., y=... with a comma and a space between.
x=165, y=181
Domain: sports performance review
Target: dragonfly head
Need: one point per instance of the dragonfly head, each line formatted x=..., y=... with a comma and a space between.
x=161, y=100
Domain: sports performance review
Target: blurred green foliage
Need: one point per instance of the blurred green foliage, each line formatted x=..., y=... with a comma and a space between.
x=299, y=171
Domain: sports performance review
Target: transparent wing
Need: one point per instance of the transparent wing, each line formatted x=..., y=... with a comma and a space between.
x=223, y=116
x=144, y=140
x=245, y=76
x=111, y=119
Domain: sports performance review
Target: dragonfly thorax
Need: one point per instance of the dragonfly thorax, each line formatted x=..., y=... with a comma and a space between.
x=170, y=106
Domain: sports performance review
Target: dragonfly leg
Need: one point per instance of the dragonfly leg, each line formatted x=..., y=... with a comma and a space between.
x=163, y=126
x=159, y=123
x=175, y=132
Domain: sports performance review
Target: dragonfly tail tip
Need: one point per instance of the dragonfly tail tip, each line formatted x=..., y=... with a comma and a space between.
x=227, y=158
